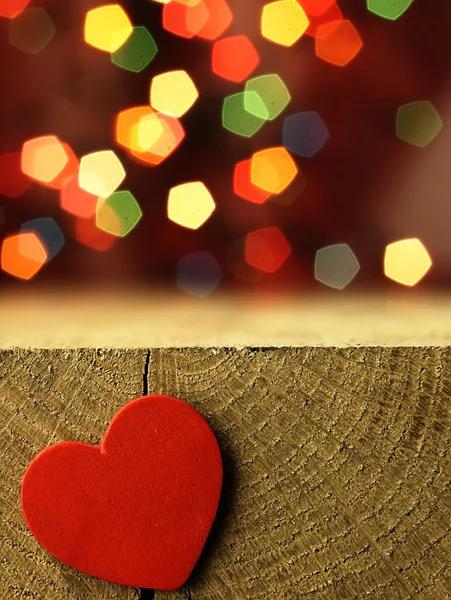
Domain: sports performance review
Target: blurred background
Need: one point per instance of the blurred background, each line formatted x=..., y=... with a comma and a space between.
x=368, y=185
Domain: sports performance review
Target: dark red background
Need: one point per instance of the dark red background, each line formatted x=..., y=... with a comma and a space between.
x=365, y=188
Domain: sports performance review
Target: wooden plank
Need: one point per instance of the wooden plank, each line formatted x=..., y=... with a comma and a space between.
x=142, y=319
x=47, y=396
x=336, y=447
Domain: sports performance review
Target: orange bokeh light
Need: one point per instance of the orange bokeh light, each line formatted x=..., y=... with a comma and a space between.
x=125, y=126
x=331, y=15
x=266, y=249
x=12, y=8
x=44, y=158
x=243, y=186
x=23, y=255
x=68, y=172
x=219, y=19
x=316, y=8
x=183, y=19
x=338, y=42
x=273, y=169
x=234, y=58
x=162, y=146
x=76, y=201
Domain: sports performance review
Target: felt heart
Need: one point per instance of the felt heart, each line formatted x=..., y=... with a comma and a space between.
x=137, y=509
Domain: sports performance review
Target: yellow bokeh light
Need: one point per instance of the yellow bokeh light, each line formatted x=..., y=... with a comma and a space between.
x=173, y=93
x=101, y=173
x=148, y=131
x=190, y=204
x=283, y=22
x=44, y=158
x=406, y=261
x=273, y=169
x=107, y=28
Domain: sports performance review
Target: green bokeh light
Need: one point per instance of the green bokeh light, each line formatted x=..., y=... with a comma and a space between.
x=273, y=93
x=237, y=119
x=118, y=214
x=31, y=30
x=418, y=123
x=137, y=52
x=389, y=9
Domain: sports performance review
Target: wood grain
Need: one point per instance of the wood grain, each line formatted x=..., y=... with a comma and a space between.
x=46, y=397
x=336, y=459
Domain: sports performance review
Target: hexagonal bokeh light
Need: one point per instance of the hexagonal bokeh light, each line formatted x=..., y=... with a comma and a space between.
x=31, y=31
x=190, y=204
x=234, y=58
x=406, y=261
x=237, y=119
x=389, y=9
x=198, y=274
x=243, y=186
x=274, y=95
x=273, y=169
x=304, y=133
x=266, y=249
x=338, y=43
x=11, y=8
x=118, y=214
x=101, y=173
x=173, y=93
x=283, y=22
x=107, y=27
x=137, y=52
x=49, y=234
x=183, y=19
x=23, y=255
x=336, y=266
x=44, y=158
x=418, y=123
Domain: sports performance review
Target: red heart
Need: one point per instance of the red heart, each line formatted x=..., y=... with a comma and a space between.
x=137, y=509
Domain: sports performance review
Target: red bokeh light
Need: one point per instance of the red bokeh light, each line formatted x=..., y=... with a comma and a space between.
x=234, y=58
x=243, y=186
x=266, y=249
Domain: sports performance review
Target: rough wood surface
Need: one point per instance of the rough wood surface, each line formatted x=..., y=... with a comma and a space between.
x=337, y=465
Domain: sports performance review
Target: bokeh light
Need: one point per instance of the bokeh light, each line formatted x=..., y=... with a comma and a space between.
x=48, y=233
x=158, y=136
x=267, y=249
x=13, y=182
x=11, y=8
x=316, y=8
x=273, y=169
x=190, y=204
x=304, y=133
x=406, y=261
x=418, y=123
x=283, y=22
x=76, y=201
x=44, y=158
x=137, y=52
x=184, y=20
x=338, y=42
x=126, y=126
x=333, y=14
x=107, y=27
x=219, y=19
x=273, y=93
x=101, y=173
x=198, y=274
x=118, y=214
x=237, y=119
x=173, y=93
x=88, y=234
x=336, y=266
x=23, y=255
x=31, y=31
x=389, y=9
x=243, y=186
x=234, y=58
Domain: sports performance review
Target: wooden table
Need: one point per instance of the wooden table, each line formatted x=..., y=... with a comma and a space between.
x=333, y=417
